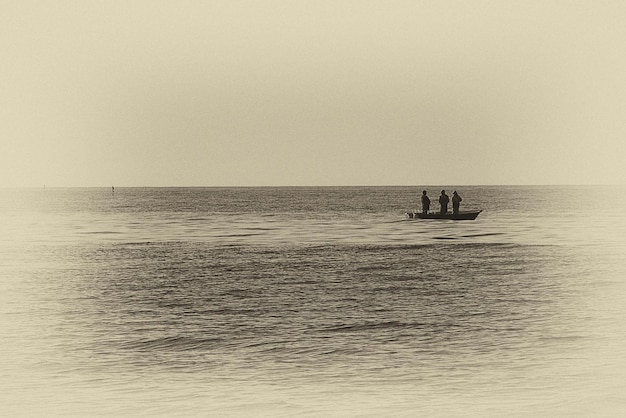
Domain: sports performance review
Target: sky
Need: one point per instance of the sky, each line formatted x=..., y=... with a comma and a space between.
x=308, y=93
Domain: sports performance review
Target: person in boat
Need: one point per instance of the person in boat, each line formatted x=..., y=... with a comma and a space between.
x=456, y=202
x=443, y=201
x=425, y=202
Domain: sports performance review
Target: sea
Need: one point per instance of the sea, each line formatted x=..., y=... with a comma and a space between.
x=313, y=302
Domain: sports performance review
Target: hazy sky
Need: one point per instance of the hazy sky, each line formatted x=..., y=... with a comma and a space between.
x=212, y=93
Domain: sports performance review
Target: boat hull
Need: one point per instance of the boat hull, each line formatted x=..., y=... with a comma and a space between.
x=469, y=215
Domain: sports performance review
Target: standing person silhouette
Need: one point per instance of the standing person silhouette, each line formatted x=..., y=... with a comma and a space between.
x=425, y=202
x=443, y=201
x=456, y=202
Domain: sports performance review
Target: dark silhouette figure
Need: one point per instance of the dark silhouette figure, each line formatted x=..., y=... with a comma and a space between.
x=456, y=202
x=425, y=202
x=443, y=201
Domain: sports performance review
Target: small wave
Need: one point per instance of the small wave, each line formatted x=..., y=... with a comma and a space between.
x=235, y=235
x=139, y=243
x=176, y=342
x=366, y=326
x=360, y=248
x=272, y=345
x=486, y=234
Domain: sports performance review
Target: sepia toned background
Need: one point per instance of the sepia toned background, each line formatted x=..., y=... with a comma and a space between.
x=313, y=300
x=236, y=93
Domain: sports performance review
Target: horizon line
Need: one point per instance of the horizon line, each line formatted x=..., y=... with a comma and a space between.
x=317, y=186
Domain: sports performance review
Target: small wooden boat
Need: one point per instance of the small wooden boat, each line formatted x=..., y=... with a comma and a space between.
x=464, y=215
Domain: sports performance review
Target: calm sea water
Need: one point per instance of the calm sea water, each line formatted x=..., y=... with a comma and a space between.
x=312, y=302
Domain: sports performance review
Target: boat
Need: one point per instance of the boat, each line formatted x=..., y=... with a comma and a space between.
x=464, y=215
